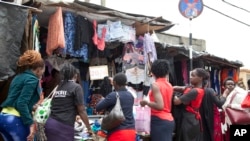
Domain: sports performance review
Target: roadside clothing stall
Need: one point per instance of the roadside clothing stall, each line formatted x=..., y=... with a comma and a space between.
x=98, y=41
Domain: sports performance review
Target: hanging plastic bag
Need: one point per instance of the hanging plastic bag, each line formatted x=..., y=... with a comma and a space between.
x=142, y=119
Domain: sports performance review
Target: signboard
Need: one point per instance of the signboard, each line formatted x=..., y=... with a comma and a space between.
x=190, y=8
x=98, y=72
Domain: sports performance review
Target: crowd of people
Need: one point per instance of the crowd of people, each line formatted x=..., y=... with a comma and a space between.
x=199, y=117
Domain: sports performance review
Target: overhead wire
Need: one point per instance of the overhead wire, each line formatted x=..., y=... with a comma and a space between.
x=226, y=15
x=236, y=6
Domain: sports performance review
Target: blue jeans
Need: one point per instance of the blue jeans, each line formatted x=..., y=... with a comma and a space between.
x=161, y=130
x=12, y=128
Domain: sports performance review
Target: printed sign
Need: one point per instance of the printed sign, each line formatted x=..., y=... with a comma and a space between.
x=190, y=8
x=98, y=72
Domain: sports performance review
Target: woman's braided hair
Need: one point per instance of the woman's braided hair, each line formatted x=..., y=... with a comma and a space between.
x=67, y=72
x=30, y=59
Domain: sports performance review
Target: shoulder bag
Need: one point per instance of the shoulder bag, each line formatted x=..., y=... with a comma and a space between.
x=237, y=116
x=115, y=117
x=43, y=110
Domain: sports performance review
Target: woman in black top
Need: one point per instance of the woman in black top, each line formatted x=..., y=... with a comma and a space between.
x=66, y=104
x=208, y=110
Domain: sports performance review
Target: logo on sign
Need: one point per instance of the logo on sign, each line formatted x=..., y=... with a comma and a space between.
x=239, y=132
x=190, y=8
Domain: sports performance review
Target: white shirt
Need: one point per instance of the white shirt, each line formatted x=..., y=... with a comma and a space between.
x=236, y=102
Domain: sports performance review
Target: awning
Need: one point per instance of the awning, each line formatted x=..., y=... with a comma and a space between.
x=101, y=14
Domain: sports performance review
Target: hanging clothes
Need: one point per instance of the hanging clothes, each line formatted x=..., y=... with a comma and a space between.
x=99, y=41
x=133, y=56
x=73, y=37
x=83, y=33
x=178, y=72
x=133, y=63
x=117, y=31
x=35, y=34
x=149, y=48
x=69, y=28
x=27, y=41
x=55, y=32
x=229, y=72
x=217, y=81
x=184, y=71
x=135, y=75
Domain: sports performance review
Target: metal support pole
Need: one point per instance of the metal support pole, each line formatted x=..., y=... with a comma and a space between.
x=190, y=49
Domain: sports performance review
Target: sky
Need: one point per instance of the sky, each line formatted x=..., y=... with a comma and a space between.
x=224, y=37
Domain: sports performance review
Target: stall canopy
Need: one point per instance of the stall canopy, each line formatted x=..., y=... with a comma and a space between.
x=180, y=52
x=101, y=14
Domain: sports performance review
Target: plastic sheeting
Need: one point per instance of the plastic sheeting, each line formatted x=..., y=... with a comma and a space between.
x=12, y=25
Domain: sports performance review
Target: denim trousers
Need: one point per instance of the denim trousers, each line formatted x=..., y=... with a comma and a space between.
x=161, y=130
x=12, y=128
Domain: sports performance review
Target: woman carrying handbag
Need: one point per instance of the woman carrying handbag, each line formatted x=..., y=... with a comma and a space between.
x=125, y=131
x=232, y=107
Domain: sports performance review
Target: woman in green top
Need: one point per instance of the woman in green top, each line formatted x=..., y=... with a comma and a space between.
x=16, y=122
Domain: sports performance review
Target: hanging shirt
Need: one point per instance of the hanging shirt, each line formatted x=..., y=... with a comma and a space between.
x=135, y=75
x=83, y=33
x=149, y=48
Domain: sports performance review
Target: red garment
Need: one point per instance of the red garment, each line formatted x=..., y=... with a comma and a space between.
x=166, y=90
x=194, y=105
x=122, y=135
x=235, y=75
x=226, y=136
x=217, y=125
x=95, y=37
x=246, y=101
x=229, y=72
x=185, y=72
x=99, y=42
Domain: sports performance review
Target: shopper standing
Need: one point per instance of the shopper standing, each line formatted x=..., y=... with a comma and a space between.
x=16, y=122
x=160, y=95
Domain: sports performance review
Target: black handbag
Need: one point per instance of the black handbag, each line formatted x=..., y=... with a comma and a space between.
x=115, y=117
